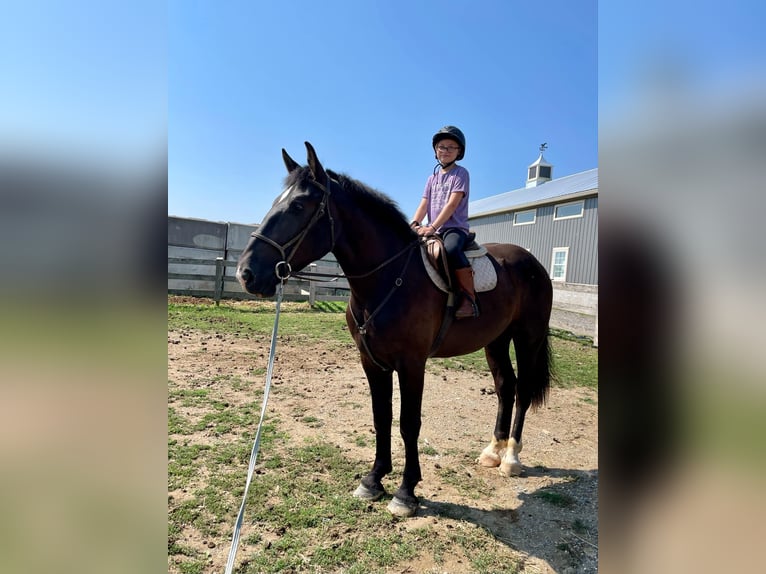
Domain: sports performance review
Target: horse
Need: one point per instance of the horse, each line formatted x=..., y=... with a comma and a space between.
x=395, y=312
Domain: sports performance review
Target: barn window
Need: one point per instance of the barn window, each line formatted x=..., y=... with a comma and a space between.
x=532, y=172
x=524, y=217
x=569, y=210
x=559, y=263
x=545, y=171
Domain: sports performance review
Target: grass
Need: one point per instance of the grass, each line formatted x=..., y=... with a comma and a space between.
x=257, y=319
x=555, y=498
x=574, y=357
x=300, y=517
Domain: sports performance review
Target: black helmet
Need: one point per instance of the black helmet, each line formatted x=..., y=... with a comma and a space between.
x=453, y=133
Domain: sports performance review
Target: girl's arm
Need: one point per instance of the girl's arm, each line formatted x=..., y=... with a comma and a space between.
x=420, y=212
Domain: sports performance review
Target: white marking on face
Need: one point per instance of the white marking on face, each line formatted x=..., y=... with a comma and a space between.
x=284, y=195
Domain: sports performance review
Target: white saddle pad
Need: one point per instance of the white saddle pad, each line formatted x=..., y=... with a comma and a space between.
x=484, y=274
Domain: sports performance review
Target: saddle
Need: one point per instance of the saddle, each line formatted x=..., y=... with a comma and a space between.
x=435, y=260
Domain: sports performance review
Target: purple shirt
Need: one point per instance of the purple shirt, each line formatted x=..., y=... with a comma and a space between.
x=438, y=189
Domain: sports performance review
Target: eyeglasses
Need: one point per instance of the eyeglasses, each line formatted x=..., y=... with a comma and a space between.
x=449, y=149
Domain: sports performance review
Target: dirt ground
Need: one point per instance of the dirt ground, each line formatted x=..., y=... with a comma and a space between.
x=560, y=452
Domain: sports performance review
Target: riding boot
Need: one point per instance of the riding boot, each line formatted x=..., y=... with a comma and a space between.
x=468, y=306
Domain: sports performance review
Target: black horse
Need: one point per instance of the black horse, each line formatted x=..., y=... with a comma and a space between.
x=395, y=312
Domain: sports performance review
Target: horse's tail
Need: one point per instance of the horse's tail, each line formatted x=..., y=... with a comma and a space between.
x=542, y=372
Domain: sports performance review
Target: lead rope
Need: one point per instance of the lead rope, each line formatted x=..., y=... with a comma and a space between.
x=257, y=443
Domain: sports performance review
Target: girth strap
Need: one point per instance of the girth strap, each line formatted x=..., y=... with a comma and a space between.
x=362, y=329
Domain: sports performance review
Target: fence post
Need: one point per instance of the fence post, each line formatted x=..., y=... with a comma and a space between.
x=218, y=290
x=312, y=286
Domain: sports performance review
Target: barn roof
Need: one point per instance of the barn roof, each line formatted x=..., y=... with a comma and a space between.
x=567, y=187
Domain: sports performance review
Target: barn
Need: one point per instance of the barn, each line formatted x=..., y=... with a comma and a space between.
x=555, y=219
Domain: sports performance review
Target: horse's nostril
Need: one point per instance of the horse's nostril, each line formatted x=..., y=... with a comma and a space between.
x=245, y=274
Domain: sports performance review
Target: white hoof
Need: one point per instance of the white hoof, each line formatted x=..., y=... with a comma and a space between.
x=491, y=456
x=511, y=465
x=489, y=459
x=512, y=469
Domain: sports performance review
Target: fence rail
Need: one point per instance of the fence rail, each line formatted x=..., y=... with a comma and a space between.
x=215, y=278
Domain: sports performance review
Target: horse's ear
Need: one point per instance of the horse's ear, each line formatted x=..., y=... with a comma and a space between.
x=316, y=168
x=290, y=163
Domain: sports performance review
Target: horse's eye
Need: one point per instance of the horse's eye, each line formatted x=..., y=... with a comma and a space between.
x=296, y=206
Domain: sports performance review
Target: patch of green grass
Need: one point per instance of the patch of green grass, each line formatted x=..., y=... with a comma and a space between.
x=177, y=424
x=192, y=567
x=330, y=306
x=389, y=549
x=475, y=362
x=182, y=462
x=249, y=321
x=555, y=498
x=430, y=540
x=225, y=419
x=575, y=364
x=579, y=526
x=477, y=544
x=488, y=562
x=428, y=450
x=312, y=421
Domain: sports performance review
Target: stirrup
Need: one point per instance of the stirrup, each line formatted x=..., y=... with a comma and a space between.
x=474, y=307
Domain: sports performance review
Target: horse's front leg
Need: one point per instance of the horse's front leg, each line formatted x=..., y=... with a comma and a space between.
x=381, y=390
x=405, y=503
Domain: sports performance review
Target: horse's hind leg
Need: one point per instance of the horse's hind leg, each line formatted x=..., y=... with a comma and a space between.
x=499, y=361
x=381, y=390
x=532, y=357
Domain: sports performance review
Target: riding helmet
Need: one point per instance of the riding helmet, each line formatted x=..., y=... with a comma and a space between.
x=453, y=133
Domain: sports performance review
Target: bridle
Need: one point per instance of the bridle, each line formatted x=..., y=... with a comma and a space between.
x=294, y=243
x=324, y=207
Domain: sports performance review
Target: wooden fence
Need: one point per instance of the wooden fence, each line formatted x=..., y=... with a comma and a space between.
x=202, y=261
x=220, y=282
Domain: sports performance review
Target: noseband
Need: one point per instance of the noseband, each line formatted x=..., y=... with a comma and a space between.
x=324, y=207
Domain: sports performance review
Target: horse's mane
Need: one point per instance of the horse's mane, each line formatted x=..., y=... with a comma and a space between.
x=368, y=200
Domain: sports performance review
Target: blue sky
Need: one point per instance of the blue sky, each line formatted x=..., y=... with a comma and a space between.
x=85, y=78
x=368, y=83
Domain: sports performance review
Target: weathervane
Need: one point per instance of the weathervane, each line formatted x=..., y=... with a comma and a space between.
x=543, y=147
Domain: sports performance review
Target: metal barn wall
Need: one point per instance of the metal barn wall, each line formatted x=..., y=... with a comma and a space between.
x=579, y=234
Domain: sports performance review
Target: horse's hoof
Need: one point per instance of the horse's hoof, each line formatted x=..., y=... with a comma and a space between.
x=368, y=494
x=400, y=508
x=489, y=460
x=513, y=469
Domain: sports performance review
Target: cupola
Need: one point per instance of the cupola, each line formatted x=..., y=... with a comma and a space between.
x=540, y=170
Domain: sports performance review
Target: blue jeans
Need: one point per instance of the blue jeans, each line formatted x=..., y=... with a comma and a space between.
x=454, y=242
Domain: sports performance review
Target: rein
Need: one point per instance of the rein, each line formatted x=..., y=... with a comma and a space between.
x=284, y=264
x=257, y=443
x=324, y=207
x=309, y=275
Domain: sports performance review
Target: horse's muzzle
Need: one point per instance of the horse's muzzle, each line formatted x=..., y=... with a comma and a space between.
x=254, y=284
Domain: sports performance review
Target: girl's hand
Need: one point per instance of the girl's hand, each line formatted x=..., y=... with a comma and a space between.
x=426, y=230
